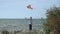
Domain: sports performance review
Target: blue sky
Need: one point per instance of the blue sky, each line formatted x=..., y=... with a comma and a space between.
x=17, y=8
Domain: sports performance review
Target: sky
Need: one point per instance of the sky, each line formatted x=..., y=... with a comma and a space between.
x=18, y=9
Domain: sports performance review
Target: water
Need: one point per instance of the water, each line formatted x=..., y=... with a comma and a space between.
x=20, y=24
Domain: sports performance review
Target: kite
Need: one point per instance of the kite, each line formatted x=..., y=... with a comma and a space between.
x=29, y=7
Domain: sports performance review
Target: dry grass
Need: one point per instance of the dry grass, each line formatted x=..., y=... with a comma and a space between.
x=32, y=32
x=27, y=32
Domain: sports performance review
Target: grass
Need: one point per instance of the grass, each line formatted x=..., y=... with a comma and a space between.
x=26, y=32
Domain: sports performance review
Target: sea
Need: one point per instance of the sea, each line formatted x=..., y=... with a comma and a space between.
x=21, y=24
